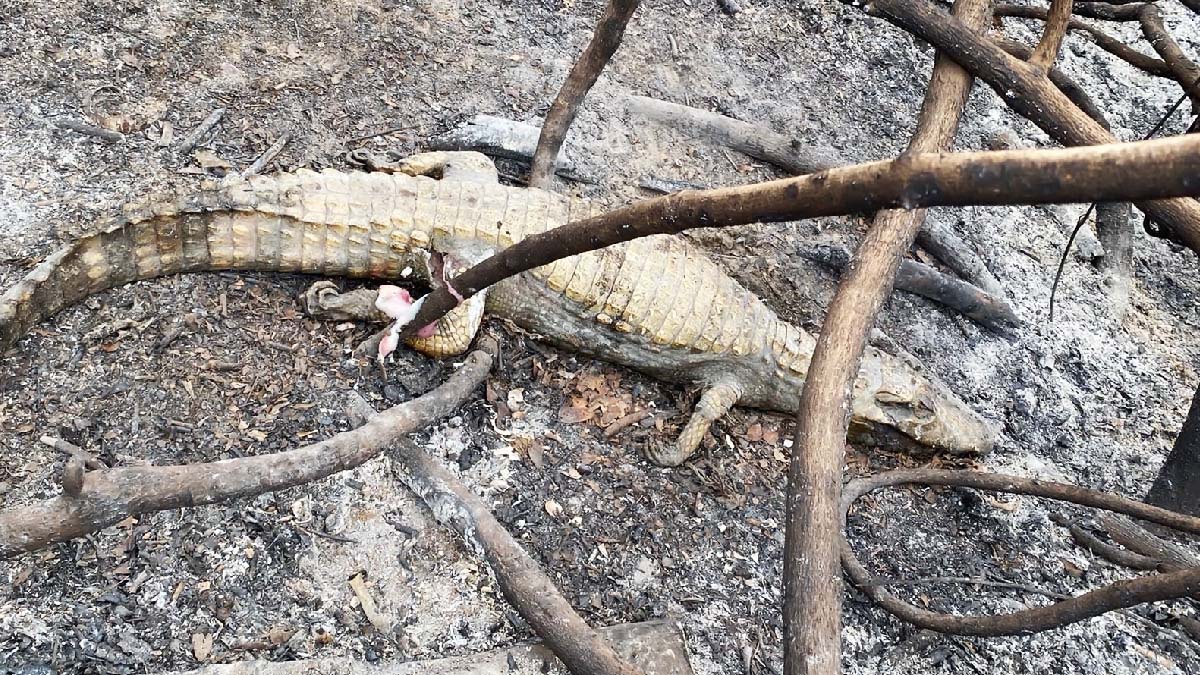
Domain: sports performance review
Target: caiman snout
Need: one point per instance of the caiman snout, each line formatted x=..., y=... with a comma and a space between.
x=889, y=394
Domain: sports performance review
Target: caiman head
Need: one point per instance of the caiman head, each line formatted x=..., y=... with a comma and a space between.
x=894, y=405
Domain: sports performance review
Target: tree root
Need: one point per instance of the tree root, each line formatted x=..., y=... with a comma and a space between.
x=1118, y=595
x=96, y=499
x=1134, y=537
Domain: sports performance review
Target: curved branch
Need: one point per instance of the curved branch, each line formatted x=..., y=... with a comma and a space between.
x=1118, y=595
x=1120, y=171
x=108, y=496
x=605, y=41
x=812, y=593
x=1047, y=47
x=1108, y=43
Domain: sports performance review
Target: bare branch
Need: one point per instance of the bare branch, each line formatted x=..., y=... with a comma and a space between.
x=1118, y=595
x=812, y=593
x=1185, y=71
x=921, y=279
x=108, y=496
x=1110, y=552
x=1121, y=171
x=525, y=585
x=606, y=39
x=1056, y=29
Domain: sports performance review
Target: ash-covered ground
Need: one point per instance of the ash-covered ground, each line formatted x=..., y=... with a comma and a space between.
x=203, y=367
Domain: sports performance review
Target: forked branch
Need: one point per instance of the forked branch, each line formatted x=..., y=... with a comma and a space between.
x=1029, y=93
x=1056, y=29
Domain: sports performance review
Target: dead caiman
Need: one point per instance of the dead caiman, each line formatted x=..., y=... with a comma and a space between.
x=656, y=304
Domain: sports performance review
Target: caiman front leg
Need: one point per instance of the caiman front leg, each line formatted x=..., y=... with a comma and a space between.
x=713, y=404
x=449, y=336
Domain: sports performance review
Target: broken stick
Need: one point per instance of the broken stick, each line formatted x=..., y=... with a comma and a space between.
x=506, y=139
x=193, y=139
x=921, y=279
x=752, y=140
x=521, y=580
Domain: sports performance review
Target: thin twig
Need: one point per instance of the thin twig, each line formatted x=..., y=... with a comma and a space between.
x=268, y=155
x=1118, y=595
x=193, y=139
x=986, y=583
x=89, y=130
x=1056, y=29
x=609, y=31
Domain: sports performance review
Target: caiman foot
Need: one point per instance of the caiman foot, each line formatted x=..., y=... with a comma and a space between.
x=713, y=404
x=323, y=301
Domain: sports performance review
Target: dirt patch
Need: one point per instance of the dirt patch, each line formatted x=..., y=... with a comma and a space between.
x=1093, y=398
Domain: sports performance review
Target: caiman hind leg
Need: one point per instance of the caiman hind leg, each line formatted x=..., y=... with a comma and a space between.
x=713, y=404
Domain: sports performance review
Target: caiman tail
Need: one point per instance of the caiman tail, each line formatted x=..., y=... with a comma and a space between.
x=257, y=224
x=148, y=241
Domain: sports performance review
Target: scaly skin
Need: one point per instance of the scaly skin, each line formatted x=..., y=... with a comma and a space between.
x=655, y=304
